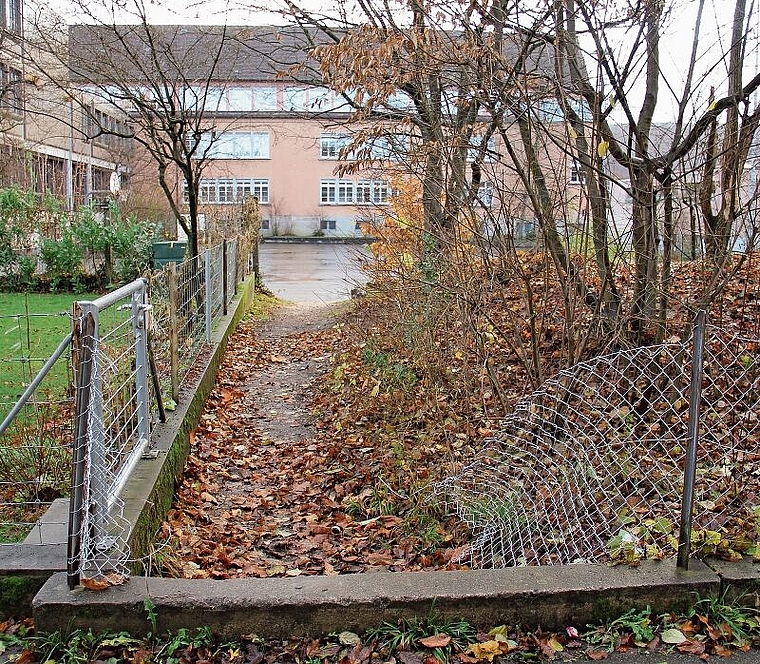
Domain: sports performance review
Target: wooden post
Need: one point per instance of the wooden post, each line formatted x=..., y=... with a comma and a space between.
x=174, y=329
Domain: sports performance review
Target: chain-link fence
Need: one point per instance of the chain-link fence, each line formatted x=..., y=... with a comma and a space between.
x=36, y=407
x=592, y=466
x=125, y=375
x=127, y=353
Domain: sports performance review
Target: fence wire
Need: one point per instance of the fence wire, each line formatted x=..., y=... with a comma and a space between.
x=590, y=467
x=191, y=313
x=35, y=449
x=215, y=281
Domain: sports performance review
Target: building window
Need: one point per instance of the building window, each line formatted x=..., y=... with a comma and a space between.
x=327, y=194
x=10, y=99
x=489, y=153
x=260, y=189
x=345, y=192
x=321, y=99
x=265, y=99
x=231, y=190
x=235, y=145
x=330, y=145
x=577, y=176
x=348, y=192
x=225, y=191
x=238, y=100
x=10, y=15
x=327, y=224
x=485, y=194
x=294, y=99
x=265, y=224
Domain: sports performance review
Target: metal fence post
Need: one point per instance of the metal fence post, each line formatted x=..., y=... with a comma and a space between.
x=174, y=330
x=209, y=294
x=690, y=467
x=224, y=278
x=84, y=333
x=140, y=312
x=234, y=267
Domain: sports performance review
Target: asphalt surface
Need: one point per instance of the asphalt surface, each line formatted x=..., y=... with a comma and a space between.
x=311, y=272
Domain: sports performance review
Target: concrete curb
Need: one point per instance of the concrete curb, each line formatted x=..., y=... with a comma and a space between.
x=552, y=597
x=323, y=239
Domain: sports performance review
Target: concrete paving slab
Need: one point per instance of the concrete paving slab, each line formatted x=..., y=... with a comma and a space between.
x=53, y=526
x=276, y=608
x=741, y=580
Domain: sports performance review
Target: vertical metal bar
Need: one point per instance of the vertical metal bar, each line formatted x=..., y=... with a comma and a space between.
x=140, y=312
x=690, y=468
x=174, y=329
x=98, y=487
x=224, y=278
x=207, y=269
x=83, y=330
x=236, y=272
x=156, y=382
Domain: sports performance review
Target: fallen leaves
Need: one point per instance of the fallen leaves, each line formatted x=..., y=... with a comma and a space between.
x=103, y=582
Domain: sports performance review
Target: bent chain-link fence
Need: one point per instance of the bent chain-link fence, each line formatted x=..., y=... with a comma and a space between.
x=591, y=466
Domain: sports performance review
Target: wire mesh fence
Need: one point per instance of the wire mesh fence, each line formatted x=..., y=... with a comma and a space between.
x=103, y=388
x=35, y=433
x=112, y=424
x=591, y=467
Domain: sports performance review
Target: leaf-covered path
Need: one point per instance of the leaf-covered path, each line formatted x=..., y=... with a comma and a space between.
x=264, y=486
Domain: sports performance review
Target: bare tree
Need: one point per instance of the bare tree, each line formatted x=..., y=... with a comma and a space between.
x=476, y=70
x=154, y=85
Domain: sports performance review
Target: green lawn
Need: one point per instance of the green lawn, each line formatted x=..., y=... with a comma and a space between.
x=31, y=327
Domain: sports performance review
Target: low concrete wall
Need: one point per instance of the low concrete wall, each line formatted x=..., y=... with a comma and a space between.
x=149, y=494
x=552, y=597
x=24, y=568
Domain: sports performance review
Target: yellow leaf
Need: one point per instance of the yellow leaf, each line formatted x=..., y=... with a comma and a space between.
x=712, y=106
x=486, y=650
x=556, y=646
x=602, y=149
x=572, y=132
x=375, y=390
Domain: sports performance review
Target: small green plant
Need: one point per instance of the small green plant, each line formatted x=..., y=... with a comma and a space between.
x=638, y=623
x=737, y=624
x=407, y=634
x=152, y=616
x=80, y=646
x=391, y=374
x=183, y=639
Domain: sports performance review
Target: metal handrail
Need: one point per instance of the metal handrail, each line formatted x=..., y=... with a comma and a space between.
x=35, y=383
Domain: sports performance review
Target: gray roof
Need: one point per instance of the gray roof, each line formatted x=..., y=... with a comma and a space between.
x=245, y=53
x=139, y=52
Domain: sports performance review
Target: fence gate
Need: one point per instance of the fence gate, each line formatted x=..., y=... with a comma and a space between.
x=112, y=426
